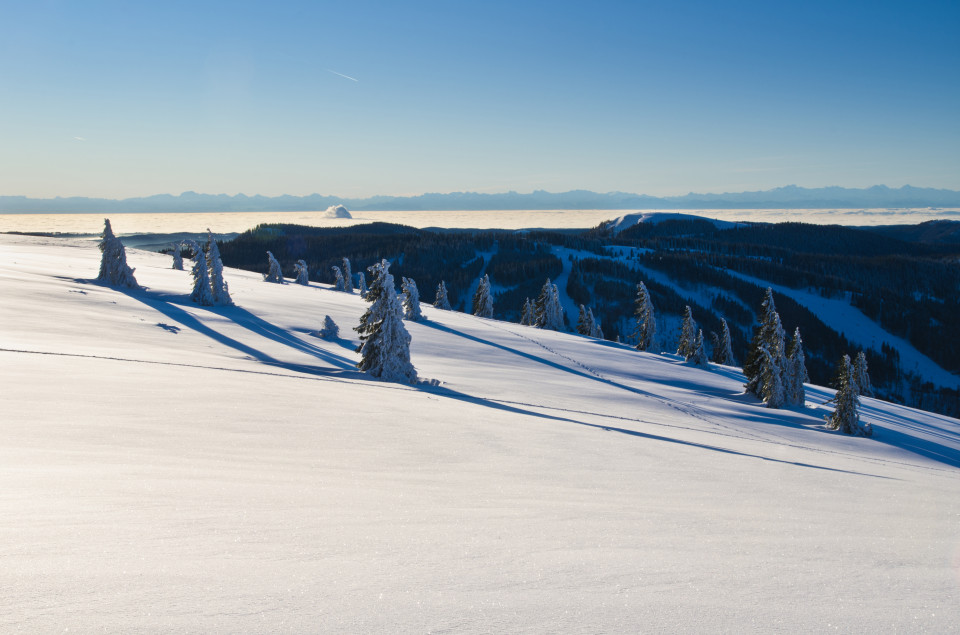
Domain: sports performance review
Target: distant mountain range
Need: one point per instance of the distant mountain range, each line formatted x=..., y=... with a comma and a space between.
x=789, y=197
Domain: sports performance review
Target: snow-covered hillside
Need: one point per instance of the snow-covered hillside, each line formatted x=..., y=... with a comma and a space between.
x=168, y=467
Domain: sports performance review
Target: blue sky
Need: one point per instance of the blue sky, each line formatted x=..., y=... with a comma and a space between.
x=120, y=99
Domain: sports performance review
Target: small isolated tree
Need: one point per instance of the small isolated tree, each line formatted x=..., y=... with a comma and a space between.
x=861, y=375
x=113, y=263
x=274, y=273
x=329, y=330
x=175, y=251
x=482, y=300
x=723, y=348
x=411, y=300
x=769, y=335
x=795, y=371
x=646, y=320
x=201, y=293
x=698, y=357
x=339, y=283
x=384, y=342
x=846, y=413
x=218, y=286
x=441, y=301
x=301, y=272
x=686, y=344
x=347, y=276
x=362, y=284
x=549, y=313
x=528, y=315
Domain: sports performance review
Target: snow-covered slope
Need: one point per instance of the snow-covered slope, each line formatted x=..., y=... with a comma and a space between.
x=167, y=467
x=620, y=223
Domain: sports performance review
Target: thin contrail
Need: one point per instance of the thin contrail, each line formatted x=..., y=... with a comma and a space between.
x=342, y=75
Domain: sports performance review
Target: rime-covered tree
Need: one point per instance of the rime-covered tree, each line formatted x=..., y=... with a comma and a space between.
x=441, y=301
x=362, y=285
x=771, y=372
x=646, y=320
x=595, y=331
x=219, y=290
x=769, y=335
x=698, y=357
x=482, y=300
x=201, y=293
x=795, y=371
x=549, y=313
x=723, y=348
x=329, y=330
x=846, y=413
x=686, y=343
x=274, y=273
x=584, y=323
x=113, y=262
x=384, y=342
x=338, y=284
x=411, y=300
x=862, y=375
x=528, y=315
x=301, y=272
x=175, y=251
x=347, y=276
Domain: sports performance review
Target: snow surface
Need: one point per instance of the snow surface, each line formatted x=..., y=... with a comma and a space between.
x=620, y=223
x=170, y=467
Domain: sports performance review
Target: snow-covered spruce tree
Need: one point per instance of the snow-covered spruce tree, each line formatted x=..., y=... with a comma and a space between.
x=329, y=330
x=772, y=392
x=646, y=320
x=274, y=273
x=347, y=276
x=362, y=285
x=113, y=263
x=338, y=284
x=201, y=294
x=846, y=414
x=688, y=334
x=482, y=301
x=528, y=315
x=411, y=300
x=723, y=349
x=795, y=371
x=301, y=272
x=595, y=331
x=442, y=301
x=549, y=313
x=218, y=286
x=175, y=251
x=769, y=334
x=862, y=375
x=384, y=342
x=584, y=326
x=698, y=357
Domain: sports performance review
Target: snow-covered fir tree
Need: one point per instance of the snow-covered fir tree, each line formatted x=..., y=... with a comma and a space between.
x=482, y=300
x=723, y=347
x=338, y=284
x=528, y=315
x=698, y=357
x=384, y=342
x=769, y=335
x=686, y=343
x=347, y=276
x=549, y=312
x=274, y=273
x=411, y=300
x=113, y=263
x=862, y=375
x=201, y=293
x=301, y=272
x=646, y=320
x=771, y=372
x=218, y=286
x=329, y=330
x=584, y=322
x=175, y=251
x=362, y=285
x=596, y=331
x=846, y=413
x=795, y=371
x=442, y=301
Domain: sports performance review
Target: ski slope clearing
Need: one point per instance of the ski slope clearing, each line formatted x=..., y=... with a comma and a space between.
x=169, y=467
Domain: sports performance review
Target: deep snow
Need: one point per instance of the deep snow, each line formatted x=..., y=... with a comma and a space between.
x=169, y=467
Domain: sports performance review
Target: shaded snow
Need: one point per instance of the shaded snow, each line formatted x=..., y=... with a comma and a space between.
x=172, y=467
x=629, y=220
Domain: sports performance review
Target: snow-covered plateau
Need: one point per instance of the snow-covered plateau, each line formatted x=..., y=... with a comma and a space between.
x=167, y=467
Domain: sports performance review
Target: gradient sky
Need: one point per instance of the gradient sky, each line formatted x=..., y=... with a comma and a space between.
x=119, y=99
